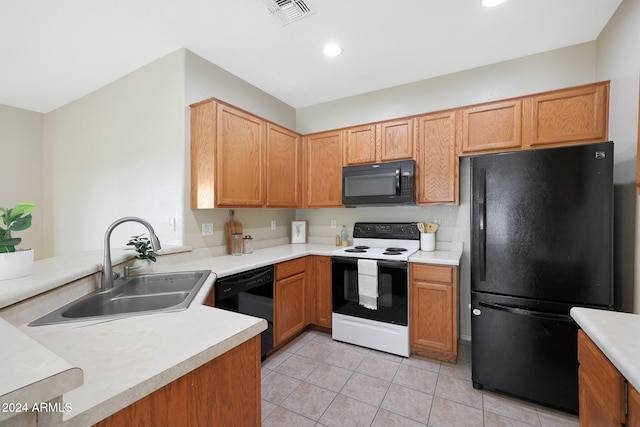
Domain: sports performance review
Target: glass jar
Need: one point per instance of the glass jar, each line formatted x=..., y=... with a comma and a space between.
x=236, y=244
x=248, y=244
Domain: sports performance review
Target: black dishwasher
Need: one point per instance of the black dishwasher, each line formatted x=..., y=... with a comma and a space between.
x=249, y=293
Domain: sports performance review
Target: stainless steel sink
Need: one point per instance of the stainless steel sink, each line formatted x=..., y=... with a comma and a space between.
x=162, y=292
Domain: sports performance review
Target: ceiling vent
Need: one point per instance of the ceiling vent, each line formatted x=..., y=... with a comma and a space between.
x=288, y=10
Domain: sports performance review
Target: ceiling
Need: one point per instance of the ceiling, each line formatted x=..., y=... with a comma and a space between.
x=55, y=51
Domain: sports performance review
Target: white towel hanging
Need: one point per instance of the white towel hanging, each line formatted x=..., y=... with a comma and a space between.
x=368, y=283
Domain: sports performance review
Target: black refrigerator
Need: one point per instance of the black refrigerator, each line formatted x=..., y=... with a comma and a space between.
x=541, y=243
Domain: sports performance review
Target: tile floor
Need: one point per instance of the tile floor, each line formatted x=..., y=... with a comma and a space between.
x=315, y=381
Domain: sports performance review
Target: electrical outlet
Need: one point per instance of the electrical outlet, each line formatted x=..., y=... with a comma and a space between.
x=273, y=224
x=333, y=223
x=207, y=229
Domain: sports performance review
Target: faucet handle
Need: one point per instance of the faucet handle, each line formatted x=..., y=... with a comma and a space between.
x=127, y=271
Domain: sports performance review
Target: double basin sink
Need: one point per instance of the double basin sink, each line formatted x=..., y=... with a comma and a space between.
x=160, y=292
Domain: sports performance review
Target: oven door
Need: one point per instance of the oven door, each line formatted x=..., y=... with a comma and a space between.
x=392, y=289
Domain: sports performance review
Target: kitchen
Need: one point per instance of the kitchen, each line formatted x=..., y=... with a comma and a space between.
x=146, y=112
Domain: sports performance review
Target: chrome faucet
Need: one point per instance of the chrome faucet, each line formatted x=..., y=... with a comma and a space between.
x=107, y=270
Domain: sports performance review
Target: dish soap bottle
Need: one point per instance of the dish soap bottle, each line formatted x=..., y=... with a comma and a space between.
x=344, y=236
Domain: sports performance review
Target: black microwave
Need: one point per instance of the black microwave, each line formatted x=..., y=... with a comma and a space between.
x=379, y=184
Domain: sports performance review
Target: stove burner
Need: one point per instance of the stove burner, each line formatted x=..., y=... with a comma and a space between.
x=361, y=247
x=392, y=253
x=395, y=250
x=355, y=250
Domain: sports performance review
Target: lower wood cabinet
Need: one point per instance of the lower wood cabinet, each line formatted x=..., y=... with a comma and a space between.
x=289, y=301
x=606, y=399
x=319, y=290
x=222, y=392
x=433, y=311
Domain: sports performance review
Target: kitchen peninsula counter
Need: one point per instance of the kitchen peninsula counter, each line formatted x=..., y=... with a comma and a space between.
x=617, y=335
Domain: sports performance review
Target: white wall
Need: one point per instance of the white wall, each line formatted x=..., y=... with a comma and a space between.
x=118, y=152
x=22, y=177
x=618, y=59
x=570, y=66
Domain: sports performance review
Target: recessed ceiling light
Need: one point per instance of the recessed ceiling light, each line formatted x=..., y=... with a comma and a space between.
x=332, y=49
x=491, y=3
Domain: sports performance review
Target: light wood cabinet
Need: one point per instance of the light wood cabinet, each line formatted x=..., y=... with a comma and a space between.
x=575, y=115
x=323, y=169
x=284, y=167
x=222, y=392
x=381, y=142
x=360, y=145
x=240, y=142
x=241, y=160
x=433, y=320
x=496, y=126
x=606, y=399
x=318, y=275
x=290, y=313
x=437, y=164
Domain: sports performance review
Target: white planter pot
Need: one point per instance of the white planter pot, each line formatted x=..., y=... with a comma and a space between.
x=16, y=264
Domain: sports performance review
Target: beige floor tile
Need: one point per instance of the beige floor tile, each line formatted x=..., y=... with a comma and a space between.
x=281, y=417
x=297, y=366
x=309, y=400
x=458, y=390
x=417, y=379
x=510, y=408
x=378, y=367
x=347, y=412
x=462, y=369
x=275, y=359
x=345, y=358
x=446, y=413
x=276, y=387
x=330, y=377
x=408, y=403
x=422, y=363
x=389, y=419
x=366, y=389
x=495, y=420
x=552, y=418
x=267, y=408
x=316, y=350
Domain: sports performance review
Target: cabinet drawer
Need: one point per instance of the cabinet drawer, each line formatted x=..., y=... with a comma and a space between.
x=433, y=273
x=602, y=377
x=289, y=268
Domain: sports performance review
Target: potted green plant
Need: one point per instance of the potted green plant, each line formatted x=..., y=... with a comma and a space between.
x=142, y=245
x=15, y=263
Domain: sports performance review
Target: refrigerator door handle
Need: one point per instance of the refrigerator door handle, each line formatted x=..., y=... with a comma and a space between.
x=482, y=229
x=526, y=312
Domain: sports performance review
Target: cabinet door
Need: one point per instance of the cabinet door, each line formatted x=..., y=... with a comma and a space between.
x=284, y=165
x=396, y=140
x=433, y=320
x=240, y=141
x=601, y=387
x=203, y=137
x=360, y=145
x=436, y=159
x=492, y=127
x=289, y=307
x=571, y=115
x=323, y=159
x=319, y=285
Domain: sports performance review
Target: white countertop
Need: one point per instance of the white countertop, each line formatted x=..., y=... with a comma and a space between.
x=446, y=253
x=122, y=360
x=617, y=335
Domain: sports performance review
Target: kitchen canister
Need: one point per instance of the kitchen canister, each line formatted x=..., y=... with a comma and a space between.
x=248, y=244
x=428, y=241
x=236, y=244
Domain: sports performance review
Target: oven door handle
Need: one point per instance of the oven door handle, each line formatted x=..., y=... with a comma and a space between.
x=392, y=264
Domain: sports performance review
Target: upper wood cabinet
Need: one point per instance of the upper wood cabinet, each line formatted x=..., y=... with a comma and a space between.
x=284, y=167
x=381, y=142
x=437, y=165
x=240, y=142
x=241, y=160
x=568, y=115
x=360, y=145
x=496, y=126
x=323, y=169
